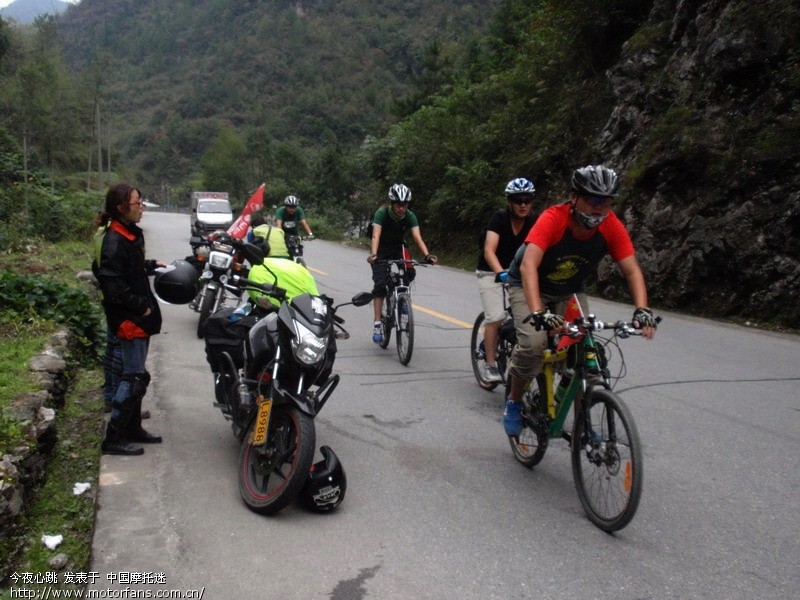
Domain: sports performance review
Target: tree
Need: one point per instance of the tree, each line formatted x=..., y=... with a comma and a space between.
x=224, y=165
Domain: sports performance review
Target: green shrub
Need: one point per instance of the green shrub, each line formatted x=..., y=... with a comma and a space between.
x=30, y=297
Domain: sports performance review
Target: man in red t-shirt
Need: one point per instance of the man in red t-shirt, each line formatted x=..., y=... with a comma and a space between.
x=561, y=251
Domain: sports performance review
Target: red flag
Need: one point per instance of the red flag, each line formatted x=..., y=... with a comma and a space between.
x=240, y=226
x=573, y=312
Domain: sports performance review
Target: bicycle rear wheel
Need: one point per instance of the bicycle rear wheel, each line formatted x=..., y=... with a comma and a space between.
x=405, y=328
x=387, y=320
x=607, y=461
x=478, y=355
x=531, y=444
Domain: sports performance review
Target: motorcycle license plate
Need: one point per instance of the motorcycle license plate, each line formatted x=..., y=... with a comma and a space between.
x=262, y=421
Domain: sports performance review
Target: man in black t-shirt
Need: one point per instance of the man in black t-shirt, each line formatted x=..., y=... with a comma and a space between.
x=505, y=233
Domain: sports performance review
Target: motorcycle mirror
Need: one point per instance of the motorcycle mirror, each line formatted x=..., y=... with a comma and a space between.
x=362, y=298
x=253, y=254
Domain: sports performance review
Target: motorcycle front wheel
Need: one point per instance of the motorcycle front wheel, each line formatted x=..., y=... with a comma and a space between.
x=206, y=305
x=271, y=475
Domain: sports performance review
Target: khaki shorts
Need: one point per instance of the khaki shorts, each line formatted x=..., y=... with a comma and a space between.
x=491, y=297
x=526, y=360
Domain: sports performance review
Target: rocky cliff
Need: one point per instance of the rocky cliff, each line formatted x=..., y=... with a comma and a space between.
x=706, y=130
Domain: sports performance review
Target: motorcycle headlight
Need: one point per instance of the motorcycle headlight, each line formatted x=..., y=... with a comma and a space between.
x=308, y=348
x=220, y=260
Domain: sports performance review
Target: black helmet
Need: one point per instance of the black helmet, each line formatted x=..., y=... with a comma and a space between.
x=595, y=180
x=324, y=490
x=178, y=283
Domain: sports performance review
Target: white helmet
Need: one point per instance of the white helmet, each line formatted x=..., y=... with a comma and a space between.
x=400, y=193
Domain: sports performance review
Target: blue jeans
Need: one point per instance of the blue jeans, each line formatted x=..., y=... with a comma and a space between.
x=112, y=367
x=134, y=357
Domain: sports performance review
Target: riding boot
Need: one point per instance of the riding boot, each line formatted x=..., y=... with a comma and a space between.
x=136, y=432
x=116, y=441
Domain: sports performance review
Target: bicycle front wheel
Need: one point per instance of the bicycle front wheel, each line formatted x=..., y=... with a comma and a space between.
x=607, y=461
x=477, y=355
x=405, y=328
x=387, y=320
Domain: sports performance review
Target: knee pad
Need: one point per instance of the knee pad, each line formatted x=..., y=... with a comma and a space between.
x=138, y=383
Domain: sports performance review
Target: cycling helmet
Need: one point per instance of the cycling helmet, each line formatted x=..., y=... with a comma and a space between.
x=520, y=185
x=400, y=193
x=595, y=180
x=177, y=283
x=291, y=201
x=326, y=484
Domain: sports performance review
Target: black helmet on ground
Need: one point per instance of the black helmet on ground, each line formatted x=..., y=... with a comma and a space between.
x=324, y=490
x=177, y=283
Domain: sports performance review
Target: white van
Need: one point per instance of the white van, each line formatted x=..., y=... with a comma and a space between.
x=210, y=211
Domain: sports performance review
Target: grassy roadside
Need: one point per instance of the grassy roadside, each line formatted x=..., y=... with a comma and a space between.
x=53, y=508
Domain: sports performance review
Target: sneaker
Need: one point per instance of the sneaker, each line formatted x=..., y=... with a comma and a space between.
x=377, y=334
x=512, y=418
x=491, y=374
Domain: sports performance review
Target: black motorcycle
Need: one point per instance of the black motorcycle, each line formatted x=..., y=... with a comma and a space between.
x=219, y=259
x=273, y=374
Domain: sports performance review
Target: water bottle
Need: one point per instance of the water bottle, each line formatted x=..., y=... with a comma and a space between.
x=482, y=350
x=241, y=312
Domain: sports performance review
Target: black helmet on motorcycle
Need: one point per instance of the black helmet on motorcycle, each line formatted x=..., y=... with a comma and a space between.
x=177, y=283
x=595, y=180
x=324, y=490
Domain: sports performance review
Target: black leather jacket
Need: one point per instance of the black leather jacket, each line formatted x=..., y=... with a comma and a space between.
x=123, y=276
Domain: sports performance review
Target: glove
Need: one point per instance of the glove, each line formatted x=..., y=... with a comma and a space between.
x=431, y=259
x=643, y=317
x=502, y=277
x=544, y=319
x=310, y=236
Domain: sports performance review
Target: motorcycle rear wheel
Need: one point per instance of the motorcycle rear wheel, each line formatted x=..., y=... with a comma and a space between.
x=272, y=475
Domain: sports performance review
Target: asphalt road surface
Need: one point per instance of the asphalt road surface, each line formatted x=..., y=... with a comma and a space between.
x=436, y=505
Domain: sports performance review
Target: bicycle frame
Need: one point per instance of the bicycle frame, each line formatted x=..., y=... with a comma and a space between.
x=560, y=398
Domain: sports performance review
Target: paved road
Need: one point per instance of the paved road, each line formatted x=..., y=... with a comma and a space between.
x=436, y=506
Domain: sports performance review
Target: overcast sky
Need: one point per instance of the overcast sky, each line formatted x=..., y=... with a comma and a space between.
x=4, y=3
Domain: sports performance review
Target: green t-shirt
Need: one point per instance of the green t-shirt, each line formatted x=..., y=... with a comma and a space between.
x=393, y=230
x=292, y=276
x=289, y=223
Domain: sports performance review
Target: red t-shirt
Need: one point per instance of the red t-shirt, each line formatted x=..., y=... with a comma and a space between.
x=568, y=260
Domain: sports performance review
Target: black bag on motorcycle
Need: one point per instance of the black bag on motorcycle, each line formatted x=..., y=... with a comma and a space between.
x=224, y=335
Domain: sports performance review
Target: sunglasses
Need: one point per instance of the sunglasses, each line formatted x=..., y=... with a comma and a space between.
x=596, y=201
x=521, y=201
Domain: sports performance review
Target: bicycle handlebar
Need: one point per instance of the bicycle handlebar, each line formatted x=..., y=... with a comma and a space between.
x=581, y=325
x=401, y=261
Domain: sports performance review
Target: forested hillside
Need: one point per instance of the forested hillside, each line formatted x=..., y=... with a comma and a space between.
x=695, y=104
x=282, y=81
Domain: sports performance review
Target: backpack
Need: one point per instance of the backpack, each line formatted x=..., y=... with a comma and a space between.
x=368, y=230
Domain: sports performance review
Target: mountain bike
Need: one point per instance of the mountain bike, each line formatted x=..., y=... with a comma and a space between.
x=294, y=243
x=397, y=312
x=507, y=339
x=606, y=451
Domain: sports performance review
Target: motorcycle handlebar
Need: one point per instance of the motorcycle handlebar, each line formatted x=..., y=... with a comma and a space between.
x=267, y=288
